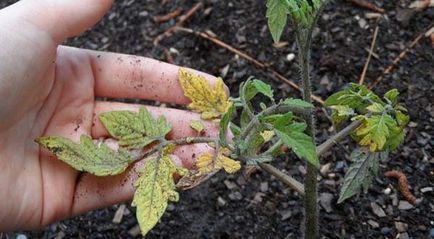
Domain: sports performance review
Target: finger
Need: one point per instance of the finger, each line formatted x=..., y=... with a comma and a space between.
x=61, y=18
x=126, y=76
x=94, y=192
x=179, y=119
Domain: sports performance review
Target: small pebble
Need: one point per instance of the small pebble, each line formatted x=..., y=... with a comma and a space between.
x=377, y=210
x=403, y=236
x=325, y=200
x=221, y=202
x=230, y=185
x=374, y=224
x=362, y=23
x=385, y=230
x=387, y=191
x=235, y=196
x=286, y=214
x=401, y=227
x=404, y=205
x=290, y=57
x=264, y=187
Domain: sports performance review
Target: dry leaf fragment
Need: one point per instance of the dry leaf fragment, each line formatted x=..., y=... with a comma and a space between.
x=211, y=102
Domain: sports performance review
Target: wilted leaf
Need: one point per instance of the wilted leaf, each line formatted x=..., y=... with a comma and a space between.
x=155, y=187
x=135, y=130
x=361, y=172
x=99, y=160
x=208, y=163
x=375, y=131
x=212, y=103
x=277, y=14
x=302, y=144
x=197, y=125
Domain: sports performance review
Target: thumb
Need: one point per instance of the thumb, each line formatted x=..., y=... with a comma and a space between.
x=60, y=19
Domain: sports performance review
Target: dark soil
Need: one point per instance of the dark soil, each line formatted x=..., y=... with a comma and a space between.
x=260, y=206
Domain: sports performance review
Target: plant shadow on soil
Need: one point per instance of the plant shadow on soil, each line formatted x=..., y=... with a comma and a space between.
x=261, y=207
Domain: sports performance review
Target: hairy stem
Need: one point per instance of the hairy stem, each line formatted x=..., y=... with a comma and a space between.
x=284, y=178
x=337, y=137
x=310, y=199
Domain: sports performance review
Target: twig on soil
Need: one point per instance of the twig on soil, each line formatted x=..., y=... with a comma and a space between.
x=274, y=74
x=403, y=186
x=168, y=16
x=368, y=5
x=399, y=58
x=284, y=178
x=371, y=49
x=182, y=20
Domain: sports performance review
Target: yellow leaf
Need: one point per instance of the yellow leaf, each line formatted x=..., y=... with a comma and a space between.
x=211, y=103
x=155, y=187
x=267, y=135
x=208, y=163
x=205, y=163
x=228, y=164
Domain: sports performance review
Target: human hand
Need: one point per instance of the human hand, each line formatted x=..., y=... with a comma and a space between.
x=49, y=89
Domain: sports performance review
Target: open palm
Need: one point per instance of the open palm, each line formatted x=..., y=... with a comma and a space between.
x=49, y=89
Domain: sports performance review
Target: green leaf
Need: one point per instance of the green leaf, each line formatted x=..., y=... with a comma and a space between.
x=302, y=144
x=245, y=118
x=197, y=125
x=255, y=144
x=396, y=138
x=99, y=160
x=235, y=129
x=356, y=97
x=277, y=14
x=401, y=118
x=135, y=130
x=361, y=172
x=155, y=187
x=263, y=88
x=248, y=90
x=224, y=123
x=392, y=96
x=375, y=131
x=278, y=121
x=297, y=103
